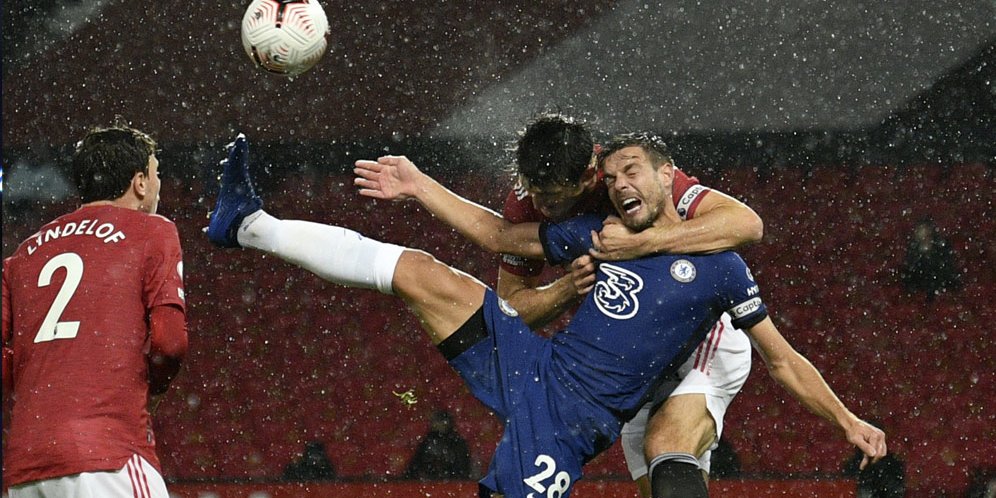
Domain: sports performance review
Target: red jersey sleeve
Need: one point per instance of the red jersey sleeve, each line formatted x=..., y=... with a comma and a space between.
x=168, y=345
x=8, y=353
x=519, y=209
x=164, y=297
x=688, y=194
x=163, y=282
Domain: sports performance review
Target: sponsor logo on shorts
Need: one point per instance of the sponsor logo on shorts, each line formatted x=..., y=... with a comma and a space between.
x=616, y=296
x=683, y=271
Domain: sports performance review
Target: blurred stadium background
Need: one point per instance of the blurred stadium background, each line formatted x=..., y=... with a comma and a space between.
x=842, y=124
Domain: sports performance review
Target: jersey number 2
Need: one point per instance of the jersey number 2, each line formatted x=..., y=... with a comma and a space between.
x=51, y=328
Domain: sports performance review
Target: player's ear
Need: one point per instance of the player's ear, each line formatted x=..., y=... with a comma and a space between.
x=140, y=184
x=666, y=172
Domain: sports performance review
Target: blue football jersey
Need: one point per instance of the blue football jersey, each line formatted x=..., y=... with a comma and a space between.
x=643, y=317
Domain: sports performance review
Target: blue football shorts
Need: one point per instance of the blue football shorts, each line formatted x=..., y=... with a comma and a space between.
x=551, y=430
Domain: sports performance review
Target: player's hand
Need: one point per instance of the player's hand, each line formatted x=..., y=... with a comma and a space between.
x=617, y=242
x=390, y=177
x=869, y=439
x=583, y=274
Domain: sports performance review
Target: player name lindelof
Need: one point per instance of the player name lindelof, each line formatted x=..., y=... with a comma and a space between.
x=95, y=228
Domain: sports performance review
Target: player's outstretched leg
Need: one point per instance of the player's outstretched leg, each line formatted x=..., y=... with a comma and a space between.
x=341, y=255
x=236, y=197
x=333, y=253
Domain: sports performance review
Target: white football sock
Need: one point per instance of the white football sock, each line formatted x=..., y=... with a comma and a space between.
x=333, y=253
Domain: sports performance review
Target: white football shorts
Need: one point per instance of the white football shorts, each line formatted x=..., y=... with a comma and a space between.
x=137, y=479
x=718, y=369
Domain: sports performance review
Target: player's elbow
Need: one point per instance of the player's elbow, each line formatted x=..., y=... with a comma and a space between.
x=511, y=239
x=788, y=369
x=779, y=370
x=494, y=244
x=753, y=227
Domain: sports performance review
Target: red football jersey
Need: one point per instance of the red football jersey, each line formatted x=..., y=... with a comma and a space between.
x=76, y=301
x=686, y=190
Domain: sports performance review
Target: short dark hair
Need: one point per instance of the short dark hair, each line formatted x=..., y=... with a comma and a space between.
x=652, y=144
x=553, y=150
x=106, y=160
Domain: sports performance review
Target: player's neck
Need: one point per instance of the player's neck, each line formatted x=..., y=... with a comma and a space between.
x=121, y=202
x=668, y=216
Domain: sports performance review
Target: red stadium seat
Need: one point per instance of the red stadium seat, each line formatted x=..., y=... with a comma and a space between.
x=294, y=357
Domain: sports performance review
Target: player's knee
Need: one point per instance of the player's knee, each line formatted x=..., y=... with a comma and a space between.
x=672, y=431
x=415, y=267
x=415, y=259
x=694, y=441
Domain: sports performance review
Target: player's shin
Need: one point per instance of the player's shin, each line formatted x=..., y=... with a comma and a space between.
x=333, y=253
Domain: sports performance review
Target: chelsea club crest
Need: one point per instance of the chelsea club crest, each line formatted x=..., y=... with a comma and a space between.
x=507, y=308
x=683, y=271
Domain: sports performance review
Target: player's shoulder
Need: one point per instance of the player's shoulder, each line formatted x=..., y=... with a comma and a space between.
x=159, y=220
x=156, y=230
x=724, y=258
x=519, y=207
x=148, y=224
x=156, y=226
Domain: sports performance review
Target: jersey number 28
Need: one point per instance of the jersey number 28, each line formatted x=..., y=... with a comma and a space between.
x=548, y=465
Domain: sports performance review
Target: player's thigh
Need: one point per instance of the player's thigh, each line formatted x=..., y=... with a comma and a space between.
x=442, y=297
x=631, y=438
x=683, y=424
x=137, y=478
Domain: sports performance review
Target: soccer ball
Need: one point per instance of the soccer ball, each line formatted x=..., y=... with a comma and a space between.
x=285, y=36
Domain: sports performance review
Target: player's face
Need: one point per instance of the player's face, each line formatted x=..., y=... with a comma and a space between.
x=636, y=188
x=151, y=203
x=555, y=202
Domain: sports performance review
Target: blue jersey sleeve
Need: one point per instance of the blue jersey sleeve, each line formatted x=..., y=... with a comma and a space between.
x=567, y=240
x=743, y=296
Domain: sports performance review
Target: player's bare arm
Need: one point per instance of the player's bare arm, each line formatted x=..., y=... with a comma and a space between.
x=721, y=223
x=800, y=378
x=397, y=178
x=537, y=304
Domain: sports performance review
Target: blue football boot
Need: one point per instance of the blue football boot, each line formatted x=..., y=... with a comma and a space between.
x=236, y=196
